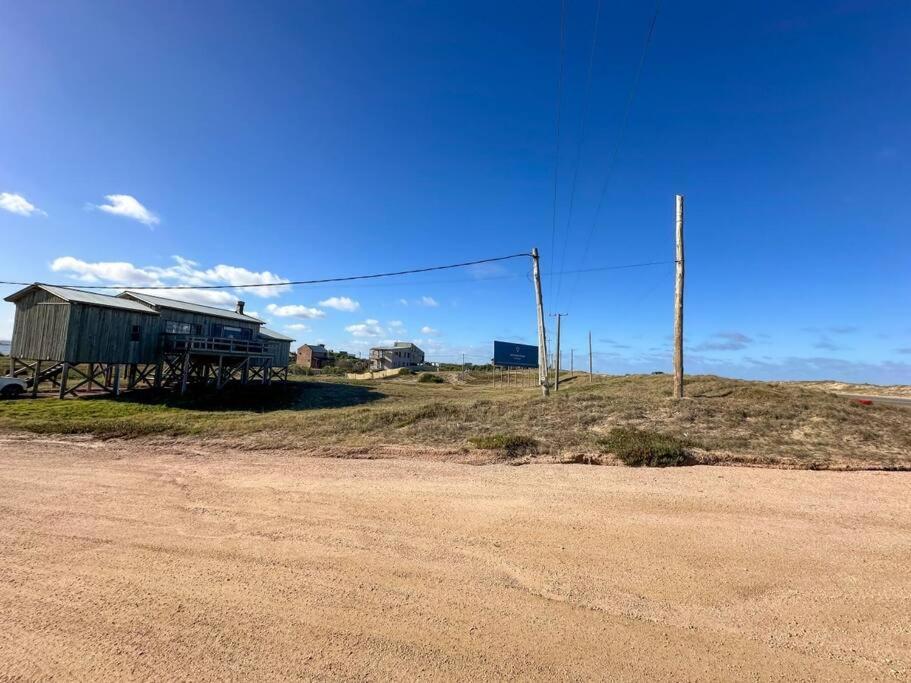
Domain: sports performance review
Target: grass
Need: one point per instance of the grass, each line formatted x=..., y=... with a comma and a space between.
x=723, y=420
x=430, y=378
x=638, y=448
x=511, y=444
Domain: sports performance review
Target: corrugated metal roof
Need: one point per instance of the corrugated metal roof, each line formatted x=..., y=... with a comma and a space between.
x=272, y=334
x=162, y=302
x=83, y=297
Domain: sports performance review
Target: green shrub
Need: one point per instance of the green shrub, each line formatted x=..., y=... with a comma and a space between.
x=512, y=444
x=638, y=448
x=406, y=371
x=430, y=378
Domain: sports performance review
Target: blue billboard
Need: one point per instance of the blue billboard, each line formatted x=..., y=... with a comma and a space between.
x=513, y=355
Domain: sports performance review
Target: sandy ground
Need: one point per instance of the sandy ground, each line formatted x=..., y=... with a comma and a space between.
x=119, y=561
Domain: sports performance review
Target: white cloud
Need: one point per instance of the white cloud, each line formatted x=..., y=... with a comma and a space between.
x=396, y=324
x=298, y=327
x=427, y=329
x=404, y=302
x=429, y=301
x=129, y=207
x=340, y=303
x=368, y=328
x=295, y=311
x=16, y=203
x=185, y=272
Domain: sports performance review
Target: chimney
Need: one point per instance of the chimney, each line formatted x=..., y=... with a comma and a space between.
x=239, y=308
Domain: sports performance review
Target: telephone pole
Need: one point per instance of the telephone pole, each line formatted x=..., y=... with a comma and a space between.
x=559, y=317
x=572, y=362
x=678, y=305
x=542, y=336
x=590, y=374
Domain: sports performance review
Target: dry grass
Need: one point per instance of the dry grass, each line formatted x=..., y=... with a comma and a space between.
x=727, y=421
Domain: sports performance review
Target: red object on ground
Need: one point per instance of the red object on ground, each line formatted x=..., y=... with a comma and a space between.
x=864, y=401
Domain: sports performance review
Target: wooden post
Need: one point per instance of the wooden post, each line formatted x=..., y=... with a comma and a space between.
x=184, y=373
x=117, y=380
x=542, y=336
x=12, y=366
x=63, y=377
x=590, y=373
x=678, y=305
x=158, y=371
x=36, y=380
x=218, y=376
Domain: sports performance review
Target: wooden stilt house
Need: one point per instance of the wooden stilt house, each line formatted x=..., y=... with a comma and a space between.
x=144, y=339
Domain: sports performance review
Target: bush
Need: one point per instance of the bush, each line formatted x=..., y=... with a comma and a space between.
x=638, y=448
x=512, y=444
x=430, y=378
x=406, y=371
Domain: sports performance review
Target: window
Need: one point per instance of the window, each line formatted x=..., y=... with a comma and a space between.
x=134, y=333
x=174, y=327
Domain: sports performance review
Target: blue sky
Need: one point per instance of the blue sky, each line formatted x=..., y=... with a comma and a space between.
x=180, y=143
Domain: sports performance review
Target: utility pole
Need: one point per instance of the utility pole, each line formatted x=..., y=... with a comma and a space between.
x=590, y=374
x=572, y=362
x=542, y=337
x=559, y=317
x=678, y=305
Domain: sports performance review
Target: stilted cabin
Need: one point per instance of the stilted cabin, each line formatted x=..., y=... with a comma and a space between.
x=142, y=339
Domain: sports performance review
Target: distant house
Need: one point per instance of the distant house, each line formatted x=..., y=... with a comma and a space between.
x=399, y=355
x=312, y=356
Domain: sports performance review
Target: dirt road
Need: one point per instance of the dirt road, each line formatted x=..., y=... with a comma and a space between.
x=122, y=560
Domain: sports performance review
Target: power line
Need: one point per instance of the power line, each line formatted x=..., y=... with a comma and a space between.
x=553, y=228
x=623, y=126
x=583, y=121
x=623, y=266
x=287, y=282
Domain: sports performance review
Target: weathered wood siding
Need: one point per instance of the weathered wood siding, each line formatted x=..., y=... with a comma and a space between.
x=279, y=351
x=99, y=334
x=40, y=327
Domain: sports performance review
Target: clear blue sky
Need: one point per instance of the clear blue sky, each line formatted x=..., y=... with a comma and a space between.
x=307, y=140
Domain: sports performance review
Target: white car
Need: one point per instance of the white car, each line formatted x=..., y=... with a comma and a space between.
x=12, y=387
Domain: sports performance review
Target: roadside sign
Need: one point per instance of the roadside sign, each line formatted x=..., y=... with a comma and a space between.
x=508, y=354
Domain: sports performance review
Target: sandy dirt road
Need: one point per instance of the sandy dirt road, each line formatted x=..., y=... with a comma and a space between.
x=120, y=560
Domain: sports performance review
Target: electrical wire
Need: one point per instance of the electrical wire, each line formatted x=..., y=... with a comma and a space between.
x=286, y=282
x=553, y=228
x=616, y=151
x=583, y=125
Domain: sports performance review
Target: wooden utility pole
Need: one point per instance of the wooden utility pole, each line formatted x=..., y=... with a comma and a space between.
x=590, y=373
x=542, y=336
x=559, y=317
x=572, y=362
x=678, y=305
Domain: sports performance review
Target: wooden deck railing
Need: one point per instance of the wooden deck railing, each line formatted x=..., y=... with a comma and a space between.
x=220, y=345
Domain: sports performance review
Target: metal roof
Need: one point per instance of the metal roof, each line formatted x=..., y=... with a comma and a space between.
x=397, y=347
x=83, y=297
x=174, y=304
x=272, y=334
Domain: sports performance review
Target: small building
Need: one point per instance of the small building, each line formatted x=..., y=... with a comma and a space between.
x=313, y=356
x=399, y=355
x=147, y=339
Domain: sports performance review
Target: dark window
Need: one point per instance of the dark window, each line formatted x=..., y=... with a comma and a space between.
x=134, y=333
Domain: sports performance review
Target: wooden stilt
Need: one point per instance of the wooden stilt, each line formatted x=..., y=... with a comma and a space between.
x=63, y=377
x=184, y=373
x=117, y=380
